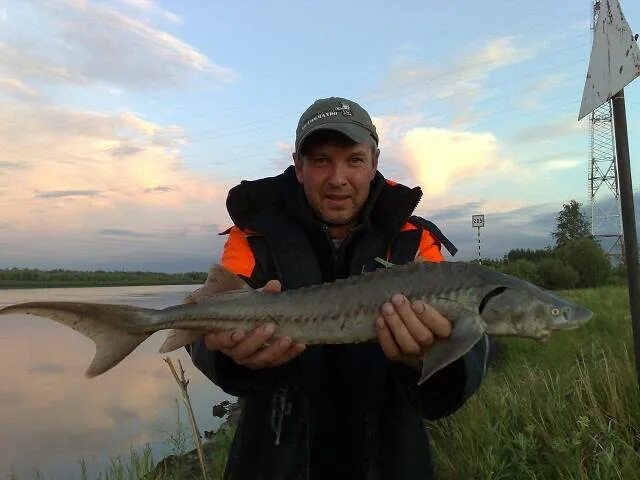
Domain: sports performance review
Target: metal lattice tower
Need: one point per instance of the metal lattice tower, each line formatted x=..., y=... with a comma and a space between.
x=606, y=219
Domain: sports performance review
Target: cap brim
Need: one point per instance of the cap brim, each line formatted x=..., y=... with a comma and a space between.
x=355, y=132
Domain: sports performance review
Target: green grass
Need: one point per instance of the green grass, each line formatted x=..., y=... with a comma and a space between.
x=566, y=410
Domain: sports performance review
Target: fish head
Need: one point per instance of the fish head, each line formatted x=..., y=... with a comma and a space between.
x=524, y=310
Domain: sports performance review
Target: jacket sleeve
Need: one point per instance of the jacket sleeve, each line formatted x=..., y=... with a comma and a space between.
x=447, y=390
x=218, y=367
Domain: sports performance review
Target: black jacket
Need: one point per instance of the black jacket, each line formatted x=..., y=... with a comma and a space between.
x=336, y=411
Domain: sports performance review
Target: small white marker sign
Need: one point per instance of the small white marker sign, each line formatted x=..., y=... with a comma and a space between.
x=477, y=221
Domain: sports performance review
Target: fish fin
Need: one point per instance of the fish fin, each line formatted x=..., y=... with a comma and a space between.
x=219, y=280
x=467, y=330
x=179, y=338
x=102, y=323
x=112, y=346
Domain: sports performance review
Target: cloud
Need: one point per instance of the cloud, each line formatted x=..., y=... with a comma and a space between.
x=160, y=189
x=124, y=150
x=151, y=7
x=566, y=164
x=460, y=82
x=81, y=42
x=440, y=158
x=506, y=228
x=66, y=196
x=68, y=193
x=549, y=131
x=16, y=89
x=121, y=232
x=458, y=212
x=542, y=85
x=19, y=65
x=8, y=165
x=48, y=368
x=119, y=414
x=282, y=158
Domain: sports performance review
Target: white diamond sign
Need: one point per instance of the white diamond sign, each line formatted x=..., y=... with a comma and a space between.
x=615, y=58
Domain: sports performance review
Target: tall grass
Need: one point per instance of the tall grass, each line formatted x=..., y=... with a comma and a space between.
x=567, y=410
x=136, y=466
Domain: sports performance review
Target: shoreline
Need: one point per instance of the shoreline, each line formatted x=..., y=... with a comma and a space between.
x=26, y=286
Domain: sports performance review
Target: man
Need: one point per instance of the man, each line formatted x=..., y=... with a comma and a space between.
x=347, y=411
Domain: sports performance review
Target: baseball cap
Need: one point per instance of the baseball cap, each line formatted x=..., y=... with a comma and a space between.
x=336, y=113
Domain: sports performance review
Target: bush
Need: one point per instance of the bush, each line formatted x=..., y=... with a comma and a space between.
x=588, y=259
x=554, y=274
x=523, y=269
x=527, y=254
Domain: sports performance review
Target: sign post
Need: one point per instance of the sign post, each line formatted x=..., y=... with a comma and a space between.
x=478, y=222
x=614, y=63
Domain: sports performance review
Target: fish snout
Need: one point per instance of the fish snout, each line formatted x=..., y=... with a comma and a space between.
x=581, y=315
x=571, y=317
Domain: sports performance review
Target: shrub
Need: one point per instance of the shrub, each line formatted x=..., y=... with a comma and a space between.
x=554, y=274
x=588, y=259
x=523, y=269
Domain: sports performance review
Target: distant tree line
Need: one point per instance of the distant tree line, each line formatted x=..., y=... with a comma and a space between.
x=33, y=277
x=575, y=261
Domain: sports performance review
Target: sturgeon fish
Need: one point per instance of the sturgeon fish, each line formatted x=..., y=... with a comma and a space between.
x=474, y=298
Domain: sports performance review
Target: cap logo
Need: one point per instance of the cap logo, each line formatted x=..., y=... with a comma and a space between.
x=345, y=108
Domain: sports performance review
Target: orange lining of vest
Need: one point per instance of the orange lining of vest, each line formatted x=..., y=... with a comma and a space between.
x=429, y=248
x=237, y=256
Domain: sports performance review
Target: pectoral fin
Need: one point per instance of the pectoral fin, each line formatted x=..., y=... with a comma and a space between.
x=467, y=330
x=179, y=338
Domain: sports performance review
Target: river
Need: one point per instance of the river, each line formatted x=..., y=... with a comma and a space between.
x=51, y=416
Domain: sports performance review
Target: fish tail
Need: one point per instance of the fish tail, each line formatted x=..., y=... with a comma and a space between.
x=105, y=324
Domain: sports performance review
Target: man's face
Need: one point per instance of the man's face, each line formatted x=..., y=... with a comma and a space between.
x=336, y=180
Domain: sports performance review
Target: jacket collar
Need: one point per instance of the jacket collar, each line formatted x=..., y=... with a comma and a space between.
x=388, y=204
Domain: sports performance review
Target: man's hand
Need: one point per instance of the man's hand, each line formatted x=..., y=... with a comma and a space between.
x=407, y=330
x=253, y=349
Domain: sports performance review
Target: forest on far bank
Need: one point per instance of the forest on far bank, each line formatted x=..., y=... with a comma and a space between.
x=36, y=278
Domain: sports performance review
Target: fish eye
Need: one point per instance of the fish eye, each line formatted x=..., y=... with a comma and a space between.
x=555, y=311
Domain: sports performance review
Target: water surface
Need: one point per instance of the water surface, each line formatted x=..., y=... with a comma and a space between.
x=51, y=415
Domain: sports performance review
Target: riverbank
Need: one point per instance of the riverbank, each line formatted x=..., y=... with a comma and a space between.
x=58, y=278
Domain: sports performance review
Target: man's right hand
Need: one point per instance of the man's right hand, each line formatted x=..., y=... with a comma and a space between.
x=256, y=349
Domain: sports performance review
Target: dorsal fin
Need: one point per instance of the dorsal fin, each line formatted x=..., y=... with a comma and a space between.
x=219, y=280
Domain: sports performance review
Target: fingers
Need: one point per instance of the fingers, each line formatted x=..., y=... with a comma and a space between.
x=389, y=346
x=223, y=340
x=281, y=351
x=439, y=325
x=272, y=286
x=409, y=328
x=252, y=343
x=402, y=322
x=249, y=350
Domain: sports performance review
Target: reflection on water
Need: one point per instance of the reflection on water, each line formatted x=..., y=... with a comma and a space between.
x=51, y=415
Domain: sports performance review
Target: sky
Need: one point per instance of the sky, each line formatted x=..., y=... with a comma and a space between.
x=123, y=123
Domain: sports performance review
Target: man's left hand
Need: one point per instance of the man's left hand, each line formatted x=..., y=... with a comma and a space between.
x=406, y=329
